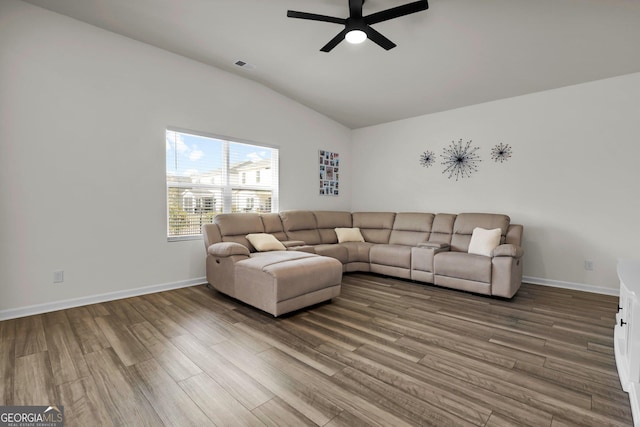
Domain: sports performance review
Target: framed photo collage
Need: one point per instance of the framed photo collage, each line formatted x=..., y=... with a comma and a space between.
x=329, y=163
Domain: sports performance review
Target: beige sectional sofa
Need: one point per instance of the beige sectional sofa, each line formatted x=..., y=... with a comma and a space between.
x=424, y=247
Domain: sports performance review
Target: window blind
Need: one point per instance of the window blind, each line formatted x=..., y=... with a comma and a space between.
x=207, y=175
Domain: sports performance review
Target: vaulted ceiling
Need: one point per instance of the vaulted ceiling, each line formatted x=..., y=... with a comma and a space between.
x=457, y=53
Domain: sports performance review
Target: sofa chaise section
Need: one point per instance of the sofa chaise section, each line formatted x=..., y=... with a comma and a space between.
x=277, y=282
x=282, y=281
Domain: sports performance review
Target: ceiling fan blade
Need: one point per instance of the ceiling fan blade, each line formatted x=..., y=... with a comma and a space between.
x=378, y=38
x=396, y=12
x=315, y=17
x=355, y=9
x=334, y=41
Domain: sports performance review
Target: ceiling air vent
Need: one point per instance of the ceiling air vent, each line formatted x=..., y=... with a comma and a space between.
x=244, y=65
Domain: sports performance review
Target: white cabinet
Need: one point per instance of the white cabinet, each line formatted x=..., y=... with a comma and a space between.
x=627, y=333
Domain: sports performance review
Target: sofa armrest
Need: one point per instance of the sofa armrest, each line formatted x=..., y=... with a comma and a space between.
x=292, y=243
x=508, y=250
x=225, y=249
x=433, y=245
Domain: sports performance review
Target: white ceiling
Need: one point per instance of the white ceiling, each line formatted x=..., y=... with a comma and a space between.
x=457, y=53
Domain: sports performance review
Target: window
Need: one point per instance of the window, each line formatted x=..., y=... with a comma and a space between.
x=207, y=175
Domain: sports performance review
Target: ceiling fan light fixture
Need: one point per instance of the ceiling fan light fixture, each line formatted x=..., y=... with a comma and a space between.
x=355, y=36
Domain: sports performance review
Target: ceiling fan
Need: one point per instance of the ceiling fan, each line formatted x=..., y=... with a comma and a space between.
x=357, y=28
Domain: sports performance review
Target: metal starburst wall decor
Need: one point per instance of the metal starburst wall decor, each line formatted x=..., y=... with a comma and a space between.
x=501, y=153
x=460, y=160
x=427, y=158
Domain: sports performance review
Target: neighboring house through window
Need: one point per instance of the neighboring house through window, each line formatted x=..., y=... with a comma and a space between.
x=207, y=175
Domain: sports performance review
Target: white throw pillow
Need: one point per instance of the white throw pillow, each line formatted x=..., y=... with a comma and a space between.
x=265, y=242
x=349, y=235
x=483, y=242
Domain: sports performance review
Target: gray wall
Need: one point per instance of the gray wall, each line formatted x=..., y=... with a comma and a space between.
x=572, y=180
x=82, y=155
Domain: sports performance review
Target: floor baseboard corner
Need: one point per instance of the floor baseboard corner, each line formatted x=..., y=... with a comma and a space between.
x=571, y=285
x=14, y=313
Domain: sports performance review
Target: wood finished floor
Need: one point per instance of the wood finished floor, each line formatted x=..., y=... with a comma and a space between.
x=386, y=352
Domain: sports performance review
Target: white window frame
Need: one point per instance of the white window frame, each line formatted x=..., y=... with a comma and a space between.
x=225, y=187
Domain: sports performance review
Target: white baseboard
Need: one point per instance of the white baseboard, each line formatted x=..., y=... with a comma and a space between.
x=93, y=299
x=571, y=285
x=110, y=296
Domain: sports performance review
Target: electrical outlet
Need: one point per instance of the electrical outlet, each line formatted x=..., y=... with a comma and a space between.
x=588, y=265
x=58, y=276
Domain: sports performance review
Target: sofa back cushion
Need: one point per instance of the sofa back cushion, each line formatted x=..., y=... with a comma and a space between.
x=442, y=228
x=466, y=222
x=411, y=228
x=273, y=225
x=234, y=227
x=211, y=234
x=374, y=226
x=301, y=225
x=328, y=221
x=514, y=235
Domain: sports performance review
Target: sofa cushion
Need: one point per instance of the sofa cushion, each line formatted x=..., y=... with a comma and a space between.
x=514, y=235
x=357, y=251
x=374, y=226
x=264, y=242
x=466, y=222
x=301, y=225
x=273, y=225
x=289, y=274
x=462, y=265
x=235, y=224
x=411, y=228
x=442, y=228
x=211, y=234
x=234, y=227
x=349, y=235
x=328, y=221
x=391, y=255
x=333, y=250
x=483, y=242
x=298, y=220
